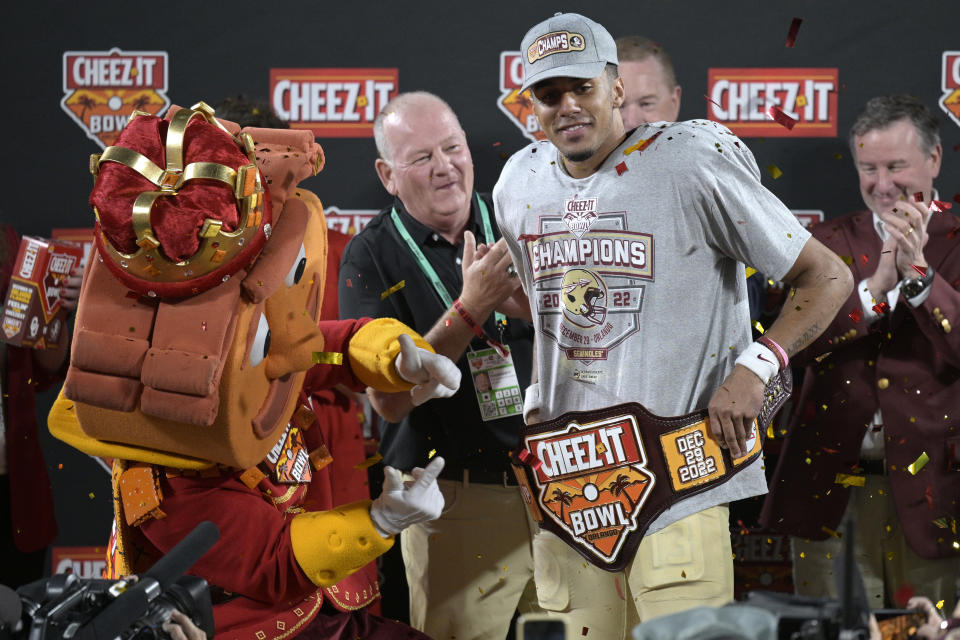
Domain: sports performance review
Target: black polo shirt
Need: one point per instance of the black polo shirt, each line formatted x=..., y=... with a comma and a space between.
x=377, y=259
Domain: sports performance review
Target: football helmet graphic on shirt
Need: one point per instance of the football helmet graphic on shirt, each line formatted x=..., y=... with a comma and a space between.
x=583, y=294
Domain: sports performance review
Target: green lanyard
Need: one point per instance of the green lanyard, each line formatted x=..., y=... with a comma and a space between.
x=428, y=269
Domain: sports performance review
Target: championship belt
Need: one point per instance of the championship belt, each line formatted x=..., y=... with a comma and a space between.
x=597, y=479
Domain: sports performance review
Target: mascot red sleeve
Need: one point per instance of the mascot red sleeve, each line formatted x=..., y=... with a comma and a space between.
x=197, y=322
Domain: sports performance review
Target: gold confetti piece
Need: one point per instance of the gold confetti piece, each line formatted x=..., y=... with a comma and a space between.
x=683, y=574
x=940, y=604
x=915, y=466
x=830, y=532
x=891, y=555
x=956, y=545
x=829, y=555
x=750, y=271
x=849, y=480
x=807, y=460
x=91, y=495
x=369, y=462
x=803, y=555
x=327, y=357
x=758, y=326
x=801, y=101
x=774, y=171
x=432, y=453
x=393, y=289
x=770, y=432
x=838, y=156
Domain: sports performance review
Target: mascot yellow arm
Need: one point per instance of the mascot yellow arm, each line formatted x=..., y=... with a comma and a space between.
x=373, y=349
x=330, y=545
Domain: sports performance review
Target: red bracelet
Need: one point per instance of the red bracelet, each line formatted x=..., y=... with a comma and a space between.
x=778, y=351
x=477, y=329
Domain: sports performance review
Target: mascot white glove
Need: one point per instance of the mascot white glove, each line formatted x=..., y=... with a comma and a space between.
x=436, y=376
x=405, y=503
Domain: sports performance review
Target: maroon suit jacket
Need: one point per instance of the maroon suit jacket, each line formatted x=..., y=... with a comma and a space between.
x=907, y=365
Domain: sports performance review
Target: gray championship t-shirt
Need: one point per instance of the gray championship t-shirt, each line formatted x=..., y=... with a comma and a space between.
x=636, y=274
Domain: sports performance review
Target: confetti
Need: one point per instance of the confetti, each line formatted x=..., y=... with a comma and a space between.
x=856, y=315
x=838, y=156
x=750, y=271
x=830, y=532
x=915, y=466
x=904, y=593
x=369, y=462
x=432, y=453
x=921, y=270
x=801, y=101
x=91, y=495
x=918, y=196
x=584, y=631
x=847, y=259
x=880, y=308
x=792, y=33
x=758, y=326
x=709, y=99
x=781, y=118
x=849, y=480
x=939, y=206
x=393, y=289
x=642, y=144
x=621, y=168
x=496, y=144
x=774, y=171
x=327, y=357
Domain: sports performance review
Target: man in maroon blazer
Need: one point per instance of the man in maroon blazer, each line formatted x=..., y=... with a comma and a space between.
x=877, y=421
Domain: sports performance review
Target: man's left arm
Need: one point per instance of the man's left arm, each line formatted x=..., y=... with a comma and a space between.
x=821, y=283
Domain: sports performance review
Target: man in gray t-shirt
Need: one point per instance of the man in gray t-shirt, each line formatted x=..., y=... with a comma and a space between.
x=631, y=250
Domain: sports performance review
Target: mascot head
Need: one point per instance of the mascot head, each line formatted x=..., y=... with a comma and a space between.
x=198, y=314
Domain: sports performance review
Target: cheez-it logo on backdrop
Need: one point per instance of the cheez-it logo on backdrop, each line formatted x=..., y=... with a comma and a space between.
x=515, y=104
x=739, y=99
x=103, y=88
x=333, y=103
x=950, y=102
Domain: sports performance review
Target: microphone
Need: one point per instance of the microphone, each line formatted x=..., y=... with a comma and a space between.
x=123, y=611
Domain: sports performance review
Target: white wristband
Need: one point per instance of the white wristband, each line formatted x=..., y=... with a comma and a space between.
x=761, y=360
x=531, y=400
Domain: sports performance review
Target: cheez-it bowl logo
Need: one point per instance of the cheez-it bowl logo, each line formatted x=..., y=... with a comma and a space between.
x=742, y=100
x=515, y=104
x=593, y=481
x=332, y=102
x=950, y=101
x=102, y=89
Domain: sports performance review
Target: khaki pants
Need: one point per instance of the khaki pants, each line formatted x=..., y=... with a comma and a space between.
x=886, y=561
x=688, y=564
x=469, y=570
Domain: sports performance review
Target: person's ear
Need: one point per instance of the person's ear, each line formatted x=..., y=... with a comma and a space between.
x=385, y=172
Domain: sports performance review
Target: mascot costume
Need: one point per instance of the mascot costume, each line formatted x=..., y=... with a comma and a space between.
x=195, y=331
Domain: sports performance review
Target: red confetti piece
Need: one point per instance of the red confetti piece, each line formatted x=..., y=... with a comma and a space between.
x=621, y=168
x=349, y=283
x=709, y=99
x=496, y=144
x=864, y=259
x=616, y=581
x=856, y=315
x=918, y=196
x=780, y=117
x=939, y=206
x=921, y=270
x=792, y=34
x=904, y=593
x=880, y=308
x=584, y=631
